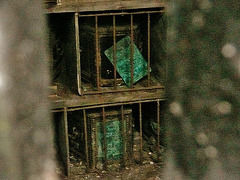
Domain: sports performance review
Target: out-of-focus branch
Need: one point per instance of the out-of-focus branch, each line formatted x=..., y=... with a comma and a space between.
x=26, y=150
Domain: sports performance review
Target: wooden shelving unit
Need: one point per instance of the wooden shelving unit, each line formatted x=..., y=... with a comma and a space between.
x=65, y=18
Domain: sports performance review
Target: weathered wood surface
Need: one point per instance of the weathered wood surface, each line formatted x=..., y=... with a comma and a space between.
x=102, y=5
x=107, y=98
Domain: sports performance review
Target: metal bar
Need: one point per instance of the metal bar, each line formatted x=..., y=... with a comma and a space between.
x=86, y=139
x=141, y=135
x=114, y=52
x=78, y=53
x=94, y=144
x=132, y=50
x=122, y=13
x=97, y=52
x=129, y=134
x=149, y=49
x=66, y=154
x=108, y=105
x=104, y=138
x=124, y=139
x=158, y=129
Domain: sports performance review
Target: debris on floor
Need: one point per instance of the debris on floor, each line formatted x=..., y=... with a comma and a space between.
x=149, y=169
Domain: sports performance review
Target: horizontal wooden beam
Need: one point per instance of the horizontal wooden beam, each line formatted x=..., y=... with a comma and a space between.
x=108, y=98
x=102, y=5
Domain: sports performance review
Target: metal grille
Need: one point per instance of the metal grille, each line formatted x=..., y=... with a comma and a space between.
x=133, y=122
x=108, y=52
x=113, y=26
x=90, y=45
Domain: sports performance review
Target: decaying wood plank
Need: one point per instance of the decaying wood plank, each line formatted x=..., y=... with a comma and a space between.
x=103, y=5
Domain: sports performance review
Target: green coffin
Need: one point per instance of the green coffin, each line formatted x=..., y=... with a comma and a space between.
x=114, y=140
x=123, y=58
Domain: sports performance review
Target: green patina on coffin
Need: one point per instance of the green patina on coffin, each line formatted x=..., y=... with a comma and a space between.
x=123, y=57
x=113, y=140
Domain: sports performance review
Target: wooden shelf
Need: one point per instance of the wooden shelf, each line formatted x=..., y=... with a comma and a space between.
x=108, y=99
x=101, y=5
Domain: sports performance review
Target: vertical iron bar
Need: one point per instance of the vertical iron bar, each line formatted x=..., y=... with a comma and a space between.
x=149, y=49
x=132, y=51
x=158, y=129
x=129, y=134
x=86, y=138
x=65, y=126
x=77, y=36
x=124, y=139
x=141, y=135
x=104, y=138
x=114, y=52
x=97, y=52
x=94, y=142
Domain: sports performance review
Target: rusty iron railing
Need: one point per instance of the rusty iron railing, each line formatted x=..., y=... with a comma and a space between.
x=115, y=88
x=126, y=157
